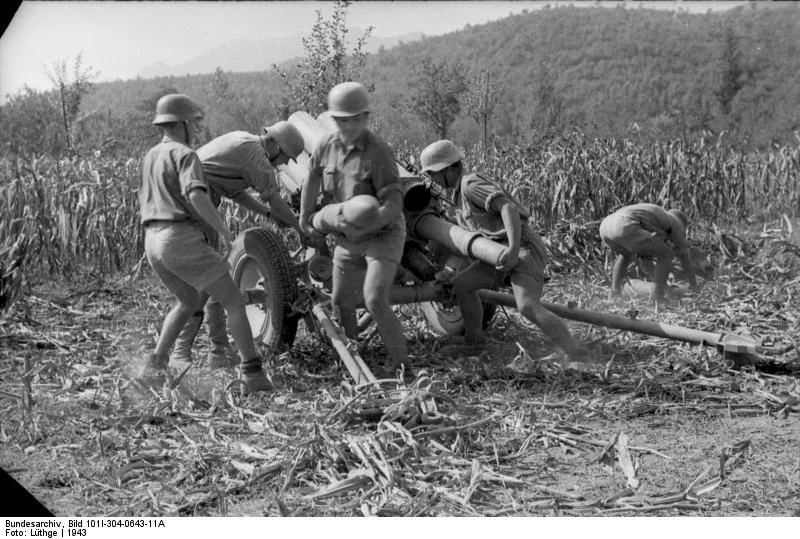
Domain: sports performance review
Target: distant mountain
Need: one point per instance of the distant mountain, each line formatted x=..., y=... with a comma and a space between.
x=243, y=56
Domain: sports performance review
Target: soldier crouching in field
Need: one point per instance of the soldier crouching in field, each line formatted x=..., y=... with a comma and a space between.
x=483, y=206
x=176, y=211
x=350, y=166
x=648, y=230
x=233, y=163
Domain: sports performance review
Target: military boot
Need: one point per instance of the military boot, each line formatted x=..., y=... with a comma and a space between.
x=221, y=354
x=182, y=350
x=155, y=369
x=253, y=376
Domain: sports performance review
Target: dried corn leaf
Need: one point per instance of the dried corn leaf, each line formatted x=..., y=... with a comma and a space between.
x=624, y=459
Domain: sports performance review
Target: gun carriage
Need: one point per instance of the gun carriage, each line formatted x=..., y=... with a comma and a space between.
x=283, y=288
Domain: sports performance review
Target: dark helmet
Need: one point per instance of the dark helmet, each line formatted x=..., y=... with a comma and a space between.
x=439, y=155
x=287, y=137
x=176, y=108
x=348, y=99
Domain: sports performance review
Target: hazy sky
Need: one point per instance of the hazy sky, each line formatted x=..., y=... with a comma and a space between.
x=119, y=39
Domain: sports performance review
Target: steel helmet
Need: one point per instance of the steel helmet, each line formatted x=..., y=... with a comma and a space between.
x=682, y=217
x=176, y=108
x=288, y=138
x=439, y=155
x=348, y=99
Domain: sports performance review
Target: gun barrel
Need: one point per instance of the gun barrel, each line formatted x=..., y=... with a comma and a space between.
x=646, y=327
x=312, y=130
x=429, y=226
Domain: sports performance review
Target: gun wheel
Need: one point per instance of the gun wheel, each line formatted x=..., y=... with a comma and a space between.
x=263, y=270
x=446, y=318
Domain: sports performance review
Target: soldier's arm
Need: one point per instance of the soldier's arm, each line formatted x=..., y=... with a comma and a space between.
x=513, y=226
x=390, y=209
x=678, y=238
x=248, y=202
x=283, y=213
x=308, y=199
x=388, y=188
x=205, y=209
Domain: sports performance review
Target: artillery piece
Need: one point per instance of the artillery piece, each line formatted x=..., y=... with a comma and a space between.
x=279, y=291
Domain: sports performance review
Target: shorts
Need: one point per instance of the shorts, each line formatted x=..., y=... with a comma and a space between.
x=180, y=249
x=388, y=245
x=532, y=258
x=626, y=236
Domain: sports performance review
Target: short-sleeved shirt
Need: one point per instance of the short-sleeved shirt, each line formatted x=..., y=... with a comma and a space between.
x=235, y=162
x=170, y=171
x=473, y=201
x=650, y=217
x=367, y=167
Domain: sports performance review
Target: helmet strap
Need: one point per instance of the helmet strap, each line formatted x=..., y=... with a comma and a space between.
x=186, y=132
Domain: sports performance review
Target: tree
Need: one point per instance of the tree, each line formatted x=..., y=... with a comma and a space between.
x=326, y=64
x=29, y=125
x=549, y=102
x=70, y=89
x=232, y=110
x=436, y=94
x=480, y=101
x=730, y=71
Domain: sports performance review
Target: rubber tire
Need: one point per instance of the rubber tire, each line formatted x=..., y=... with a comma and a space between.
x=447, y=321
x=259, y=253
x=445, y=318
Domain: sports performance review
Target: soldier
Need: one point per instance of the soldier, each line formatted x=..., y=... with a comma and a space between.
x=652, y=231
x=176, y=211
x=485, y=207
x=232, y=164
x=354, y=161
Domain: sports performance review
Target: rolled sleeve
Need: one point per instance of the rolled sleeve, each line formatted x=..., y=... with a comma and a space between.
x=320, y=159
x=492, y=198
x=190, y=174
x=481, y=193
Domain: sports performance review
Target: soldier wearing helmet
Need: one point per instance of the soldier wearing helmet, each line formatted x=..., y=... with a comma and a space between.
x=177, y=215
x=651, y=231
x=233, y=164
x=350, y=165
x=483, y=206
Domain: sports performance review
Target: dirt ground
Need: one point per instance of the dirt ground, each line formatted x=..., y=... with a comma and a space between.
x=663, y=428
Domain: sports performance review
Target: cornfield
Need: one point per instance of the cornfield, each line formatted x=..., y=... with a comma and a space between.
x=574, y=179
x=78, y=214
x=81, y=215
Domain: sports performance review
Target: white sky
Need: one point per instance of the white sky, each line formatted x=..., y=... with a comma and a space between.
x=119, y=39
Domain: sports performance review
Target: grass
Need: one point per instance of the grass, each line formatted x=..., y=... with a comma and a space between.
x=668, y=429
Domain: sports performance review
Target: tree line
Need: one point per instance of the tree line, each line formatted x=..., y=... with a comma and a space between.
x=525, y=79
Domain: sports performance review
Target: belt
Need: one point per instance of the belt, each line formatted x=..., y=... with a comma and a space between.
x=159, y=221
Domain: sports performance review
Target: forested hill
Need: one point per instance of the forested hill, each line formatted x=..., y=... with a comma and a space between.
x=606, y=71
